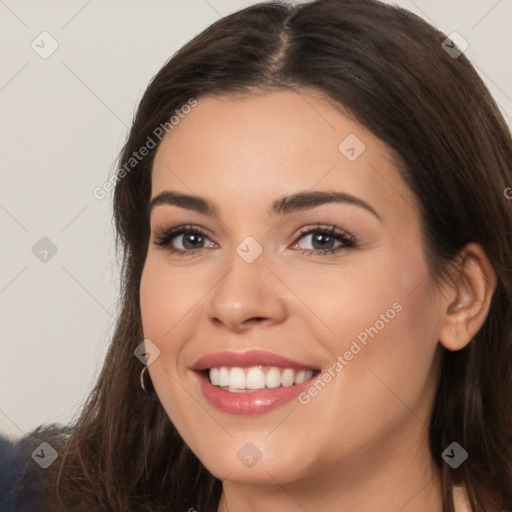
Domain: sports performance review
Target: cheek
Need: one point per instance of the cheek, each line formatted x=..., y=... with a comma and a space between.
x=169, y=302
x=367, y=294
x=163, y=311
x=165, y=301
x=387, y=380
x=164, y=304
x=383, y=324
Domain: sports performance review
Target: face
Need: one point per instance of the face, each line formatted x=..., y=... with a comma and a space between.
x=322, y=308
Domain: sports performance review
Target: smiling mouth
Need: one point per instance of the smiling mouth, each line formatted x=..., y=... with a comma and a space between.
x=256, y=378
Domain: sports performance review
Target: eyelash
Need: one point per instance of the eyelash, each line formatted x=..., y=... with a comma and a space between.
x=348, y=240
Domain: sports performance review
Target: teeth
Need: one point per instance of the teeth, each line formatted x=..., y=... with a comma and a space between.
x=223, y=377
x=255, y=379
x=273, y=378
x=236, y=379
x=300, y=376
x=214, y=376
x=288, y=377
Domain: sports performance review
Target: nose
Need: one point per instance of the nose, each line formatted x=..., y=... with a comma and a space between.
x=247, y=295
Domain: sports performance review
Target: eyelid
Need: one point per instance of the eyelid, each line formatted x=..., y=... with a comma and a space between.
x=163, y=234
x=347, y=240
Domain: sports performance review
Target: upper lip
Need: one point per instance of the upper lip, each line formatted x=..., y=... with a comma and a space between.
x=249, y=358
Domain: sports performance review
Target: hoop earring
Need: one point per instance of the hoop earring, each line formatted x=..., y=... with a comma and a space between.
x=149, y=388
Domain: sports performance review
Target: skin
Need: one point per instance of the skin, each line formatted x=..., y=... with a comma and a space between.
x=361, y=443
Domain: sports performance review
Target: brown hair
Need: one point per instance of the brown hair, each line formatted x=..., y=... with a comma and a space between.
x=387, y=67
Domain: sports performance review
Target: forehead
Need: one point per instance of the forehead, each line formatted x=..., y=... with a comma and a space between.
x=258, y=147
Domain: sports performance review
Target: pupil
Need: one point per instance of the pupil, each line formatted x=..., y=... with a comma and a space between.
x=322, y=238
x=193, y=237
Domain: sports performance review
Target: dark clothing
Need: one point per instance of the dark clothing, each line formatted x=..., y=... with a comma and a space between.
x=20, y=488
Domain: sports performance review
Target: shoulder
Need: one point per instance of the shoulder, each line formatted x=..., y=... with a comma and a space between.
x=24, y=479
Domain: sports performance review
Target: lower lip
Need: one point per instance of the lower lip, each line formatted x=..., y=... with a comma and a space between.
x=252, y=402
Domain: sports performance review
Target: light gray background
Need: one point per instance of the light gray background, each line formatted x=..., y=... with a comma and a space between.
x=63, y=120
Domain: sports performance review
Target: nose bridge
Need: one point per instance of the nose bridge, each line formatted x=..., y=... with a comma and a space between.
x=247, y=289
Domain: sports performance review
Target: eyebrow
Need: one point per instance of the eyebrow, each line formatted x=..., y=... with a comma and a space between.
x=299, y=201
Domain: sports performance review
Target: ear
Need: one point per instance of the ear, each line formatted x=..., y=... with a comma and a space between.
x=468, y=299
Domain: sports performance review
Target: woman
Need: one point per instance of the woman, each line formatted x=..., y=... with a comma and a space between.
x=317, y=296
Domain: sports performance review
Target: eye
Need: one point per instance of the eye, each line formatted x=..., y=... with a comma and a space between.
x=324, y=237
x=192, y=240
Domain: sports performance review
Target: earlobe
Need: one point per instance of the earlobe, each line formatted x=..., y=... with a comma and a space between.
x=467, y=305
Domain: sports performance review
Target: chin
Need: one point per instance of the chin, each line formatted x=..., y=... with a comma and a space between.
x=249, y=465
